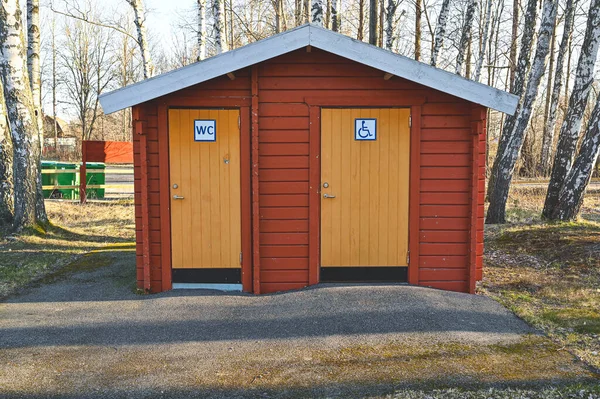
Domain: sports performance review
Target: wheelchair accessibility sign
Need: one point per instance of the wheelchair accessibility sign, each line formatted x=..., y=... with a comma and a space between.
x=365, y=129
x=205, y=130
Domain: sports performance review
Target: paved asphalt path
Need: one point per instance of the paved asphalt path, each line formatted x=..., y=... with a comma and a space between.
x=90, y=335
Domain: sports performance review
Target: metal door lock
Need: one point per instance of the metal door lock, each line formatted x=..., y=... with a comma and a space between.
x=325, y=185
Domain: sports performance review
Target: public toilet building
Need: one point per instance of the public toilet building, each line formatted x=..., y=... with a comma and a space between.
x=308, y=157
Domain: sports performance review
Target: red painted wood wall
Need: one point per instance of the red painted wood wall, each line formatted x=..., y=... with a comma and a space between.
x=451, y=171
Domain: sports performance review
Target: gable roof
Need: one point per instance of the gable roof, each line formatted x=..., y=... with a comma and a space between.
x=318, y=37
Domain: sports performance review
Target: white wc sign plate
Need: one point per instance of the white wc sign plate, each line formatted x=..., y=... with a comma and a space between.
x=205, y=130
x=365, y=129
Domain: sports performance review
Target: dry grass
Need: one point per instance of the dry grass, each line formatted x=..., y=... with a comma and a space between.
x=74, y=231
x=549, y=273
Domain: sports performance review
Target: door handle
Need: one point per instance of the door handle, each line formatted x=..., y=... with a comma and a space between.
x=177, y=197
x=328, y=196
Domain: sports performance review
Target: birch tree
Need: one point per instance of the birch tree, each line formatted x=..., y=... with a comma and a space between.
x=570, y=197
x=510, y=148
x=307, y=10
x=316, y=12
x=465, y=37
x=440, y=31
x=33, y=60
x=298, y=12
x=140, y=24
x=21, y=117
x=484, y=39
x=336, y=15
x=201, y=5
x=569, y=132
x=549, y=127
x=35, y=82
x=6, y=165
x=218, y=11
x=390, y=16
x=518, y=83
x=512, y=58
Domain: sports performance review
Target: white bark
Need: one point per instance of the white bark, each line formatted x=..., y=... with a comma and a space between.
x=6, y=165
x=35, y=81
x=569, y=132
x=140, y=24
x=517, y=87
x=549, y=129
x=201, y=29
x=509, y=151
x=33, y=60
x=440, y=31
x=484, y=39
x=218, y=11
x=336, y=15
x=465, y=37
x=390, y=16
x=571, y=194
x=21, y=116
x=316, y=12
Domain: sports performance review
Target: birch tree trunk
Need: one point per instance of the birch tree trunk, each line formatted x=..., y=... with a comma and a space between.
x=6, y=165
x=35, y=82
x=514, y=43
x=317, y=12
x=390, y=15
x=572, y=192
x=373, y=22
x=33, y=60
x=517, y=84
x=549, y=127
x=440, y=31
x=484, y=39
x=569, y=132
x=465, y=36
x=277, y=9
x=218, y=11
x=21, y=117
x=201, y=4
x=298, y=12
x=508, y=153
x=306, y=11
x=140, y=24
x=336, y=15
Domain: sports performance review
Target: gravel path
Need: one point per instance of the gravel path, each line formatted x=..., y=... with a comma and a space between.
x=90, y=336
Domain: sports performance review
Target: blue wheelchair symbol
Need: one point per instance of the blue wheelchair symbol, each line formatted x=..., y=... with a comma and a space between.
x=364, y=131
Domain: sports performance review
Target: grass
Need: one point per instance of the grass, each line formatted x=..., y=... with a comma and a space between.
x=74, y=231
x=549, y=273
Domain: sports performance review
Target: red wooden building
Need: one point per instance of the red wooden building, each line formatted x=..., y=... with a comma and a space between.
x=304, y=158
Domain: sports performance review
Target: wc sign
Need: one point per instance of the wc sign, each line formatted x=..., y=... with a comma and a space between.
x=365, y=129
x=205, y=130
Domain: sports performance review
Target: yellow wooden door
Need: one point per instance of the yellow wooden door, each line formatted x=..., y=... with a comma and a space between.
x=364, y=189
x=205, y=190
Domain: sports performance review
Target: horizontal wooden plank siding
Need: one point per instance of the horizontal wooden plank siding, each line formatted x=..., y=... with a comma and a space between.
x=445, y=192
x=284, y=172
